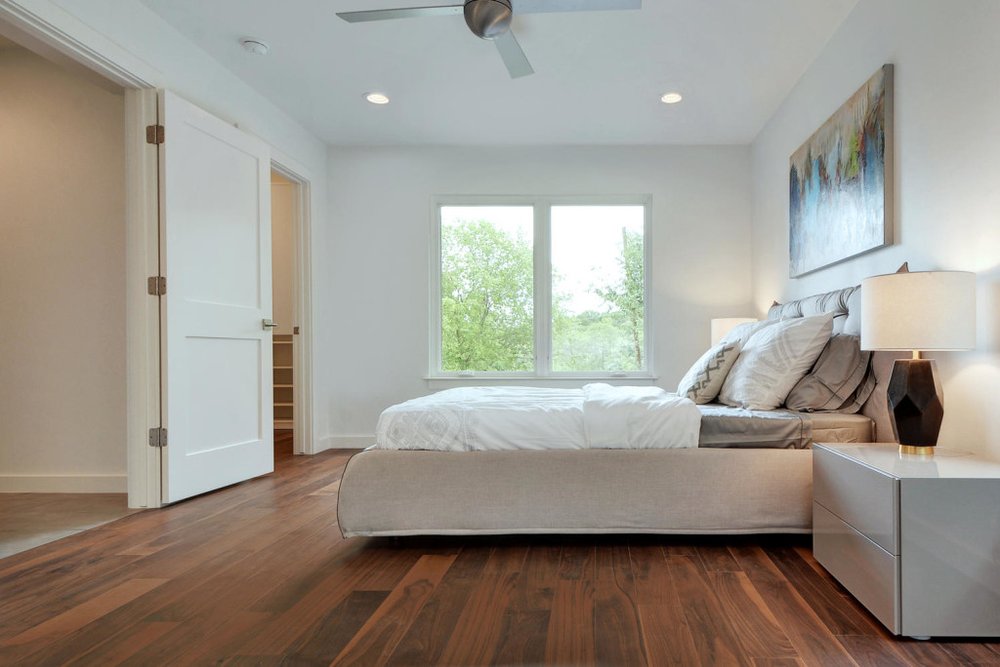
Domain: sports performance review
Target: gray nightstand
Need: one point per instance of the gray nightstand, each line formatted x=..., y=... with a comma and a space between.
x=917, y=541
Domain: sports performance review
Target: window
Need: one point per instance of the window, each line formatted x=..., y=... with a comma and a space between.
x=541, y=287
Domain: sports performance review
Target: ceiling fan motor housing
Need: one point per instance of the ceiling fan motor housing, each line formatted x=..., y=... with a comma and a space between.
x=488, y=18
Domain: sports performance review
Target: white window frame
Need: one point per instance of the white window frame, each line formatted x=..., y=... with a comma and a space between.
x=542, y=206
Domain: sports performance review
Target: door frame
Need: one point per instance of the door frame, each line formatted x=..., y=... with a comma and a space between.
x=57, y=35
x=302, y=302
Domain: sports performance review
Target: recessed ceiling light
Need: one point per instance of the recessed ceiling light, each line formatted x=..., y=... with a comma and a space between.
x=671, y=98
x=255, y=46
x=377, y=98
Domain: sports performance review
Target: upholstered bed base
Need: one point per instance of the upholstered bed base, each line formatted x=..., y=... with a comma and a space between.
x=691, y=491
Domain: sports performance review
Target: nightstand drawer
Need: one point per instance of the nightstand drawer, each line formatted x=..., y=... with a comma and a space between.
x=869, y=572
x=863, y=497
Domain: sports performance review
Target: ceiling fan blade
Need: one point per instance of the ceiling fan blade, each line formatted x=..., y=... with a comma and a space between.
x=404, y=13
x=545, y=6
x=513, y=57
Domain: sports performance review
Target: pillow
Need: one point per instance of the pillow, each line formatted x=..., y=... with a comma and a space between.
x=773, y=360
x=834, y=379
x=741, y=333
x=704, y=379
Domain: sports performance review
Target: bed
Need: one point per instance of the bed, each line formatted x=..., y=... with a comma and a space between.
x=751, y=472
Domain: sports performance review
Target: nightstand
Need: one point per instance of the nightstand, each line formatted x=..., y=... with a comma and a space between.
x=915, y=540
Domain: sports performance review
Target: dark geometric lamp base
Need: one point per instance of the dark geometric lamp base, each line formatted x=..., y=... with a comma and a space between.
x=915, y=403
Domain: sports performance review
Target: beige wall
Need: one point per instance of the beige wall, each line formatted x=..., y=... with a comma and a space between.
x=62, y=290
x=947, y=175
x=283, y=193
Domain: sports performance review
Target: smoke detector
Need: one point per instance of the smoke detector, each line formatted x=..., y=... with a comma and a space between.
x=255, y=46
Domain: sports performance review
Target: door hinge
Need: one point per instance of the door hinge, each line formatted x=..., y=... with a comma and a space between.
x=156, y=285
x=158, y=437
x=154, y=134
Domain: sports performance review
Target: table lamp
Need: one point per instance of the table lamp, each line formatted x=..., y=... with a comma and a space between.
x=918, y=311
x=723, y=325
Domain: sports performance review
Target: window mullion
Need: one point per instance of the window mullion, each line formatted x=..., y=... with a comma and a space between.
x=543, y=289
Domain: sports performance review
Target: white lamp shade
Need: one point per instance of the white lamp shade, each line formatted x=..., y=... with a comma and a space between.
x=924, y=310
x=724, y=325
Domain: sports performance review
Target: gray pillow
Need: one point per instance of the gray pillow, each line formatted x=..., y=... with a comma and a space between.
x=837, y=381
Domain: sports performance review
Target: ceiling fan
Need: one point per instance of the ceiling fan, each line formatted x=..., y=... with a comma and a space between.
x=490, y=19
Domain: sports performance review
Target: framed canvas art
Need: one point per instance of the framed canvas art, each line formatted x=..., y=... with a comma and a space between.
x=840, y=182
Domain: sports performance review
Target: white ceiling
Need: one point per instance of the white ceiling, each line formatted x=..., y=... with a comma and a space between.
x=599, y=75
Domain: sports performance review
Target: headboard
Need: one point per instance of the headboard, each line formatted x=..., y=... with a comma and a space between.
x=845, y=304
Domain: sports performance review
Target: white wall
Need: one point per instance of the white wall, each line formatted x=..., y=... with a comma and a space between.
x=283, y=194
x=946, y=57
x=380, y=207
x=62, y=280
x=137, y=40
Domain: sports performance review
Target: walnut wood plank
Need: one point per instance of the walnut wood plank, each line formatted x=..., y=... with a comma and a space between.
x=121, y=647
x=616, y=625
x=717, y=558
x=663, y=628
x=327, y=638
x=868, y=651
x=810, y=637
x=838, y=614
x=84, y=613
x=578, y=561
x=522, y=638
x=427, y=637
x=378, y=637
x=476, y=635
x=570, y=639
x=756, y=628
x=714, y=638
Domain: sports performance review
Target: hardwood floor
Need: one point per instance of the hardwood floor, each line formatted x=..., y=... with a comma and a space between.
x=28, y=520
x=258, y=574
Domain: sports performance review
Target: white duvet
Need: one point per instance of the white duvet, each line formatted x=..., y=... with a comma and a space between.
x=598, y=416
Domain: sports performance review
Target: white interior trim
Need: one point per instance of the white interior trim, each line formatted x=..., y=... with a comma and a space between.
x=345, y=442
x=142, y=311
x=55, y=34
x=302, y=307
x=542, y=246
x=63, y=484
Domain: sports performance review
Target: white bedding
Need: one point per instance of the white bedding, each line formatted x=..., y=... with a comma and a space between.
x=598, y=416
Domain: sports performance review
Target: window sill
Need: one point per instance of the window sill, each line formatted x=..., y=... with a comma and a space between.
x=556, y=381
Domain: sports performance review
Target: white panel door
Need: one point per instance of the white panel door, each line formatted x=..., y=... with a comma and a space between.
x=215, y=251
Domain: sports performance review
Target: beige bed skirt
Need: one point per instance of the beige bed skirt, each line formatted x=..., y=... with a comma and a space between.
x=688, y=491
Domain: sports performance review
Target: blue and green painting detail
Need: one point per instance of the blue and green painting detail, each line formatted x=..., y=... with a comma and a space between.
x=840, y=189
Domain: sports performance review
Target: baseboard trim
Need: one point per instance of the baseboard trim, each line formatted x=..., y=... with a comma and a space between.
x=63, y=483
x=344, y=442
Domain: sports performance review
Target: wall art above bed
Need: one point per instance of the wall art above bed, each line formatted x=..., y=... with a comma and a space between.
x=840, y=182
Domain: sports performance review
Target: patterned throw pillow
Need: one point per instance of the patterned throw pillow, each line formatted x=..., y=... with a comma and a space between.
x=704, y=379
x=773, y=360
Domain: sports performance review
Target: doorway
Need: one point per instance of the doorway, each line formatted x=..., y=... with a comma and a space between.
x=63, y=298
x=145, y=474
x=292, y=308
x=284, y=202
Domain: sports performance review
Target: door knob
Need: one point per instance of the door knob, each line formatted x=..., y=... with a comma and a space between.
x=268, y=324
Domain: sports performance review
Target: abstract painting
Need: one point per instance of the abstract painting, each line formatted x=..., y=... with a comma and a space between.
x=840, y=182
